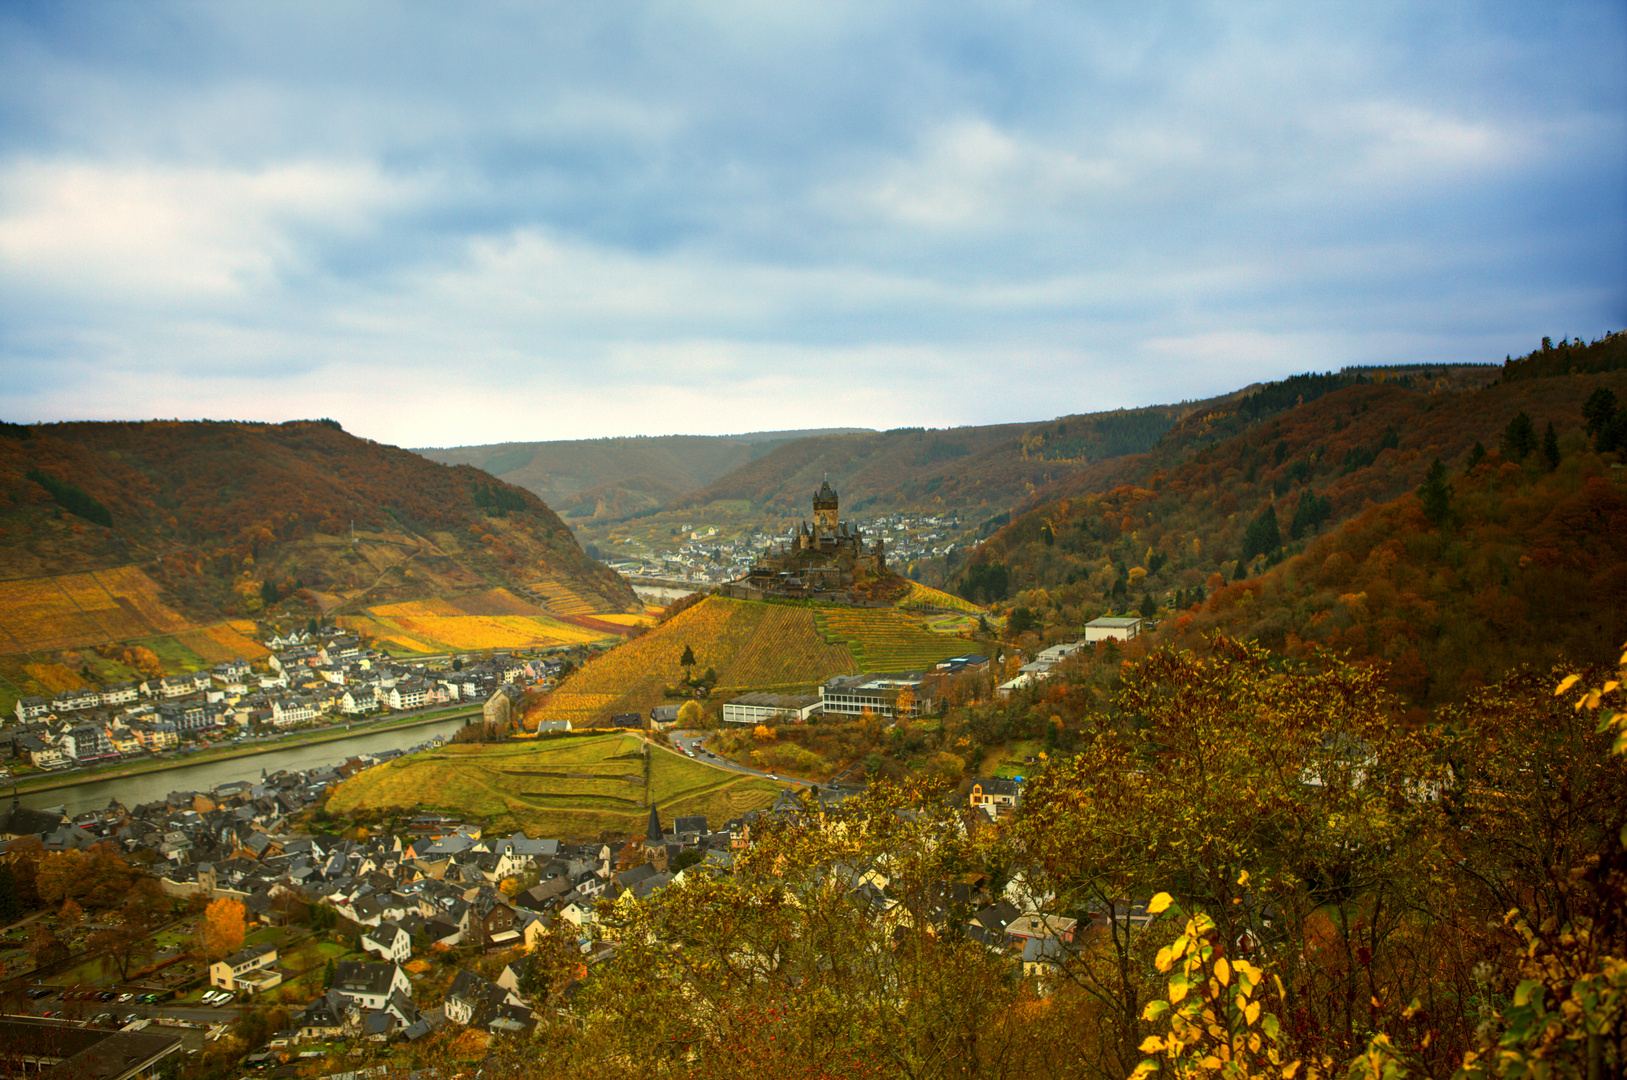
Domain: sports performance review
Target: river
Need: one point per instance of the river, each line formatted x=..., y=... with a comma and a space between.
x=150, y=787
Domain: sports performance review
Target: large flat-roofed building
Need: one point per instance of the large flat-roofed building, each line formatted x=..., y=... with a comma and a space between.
x=770, y=708
x=879, y=692
x=1109, y=627
x=40, y=1047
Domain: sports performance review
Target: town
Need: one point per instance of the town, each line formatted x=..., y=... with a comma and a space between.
x=704, y=555
x=242, y=901
x=315, y=676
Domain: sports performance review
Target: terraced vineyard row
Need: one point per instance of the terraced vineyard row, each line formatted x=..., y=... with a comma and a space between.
x=562, y=599
x=575, y=788
x=886, y=640
x=925, y=596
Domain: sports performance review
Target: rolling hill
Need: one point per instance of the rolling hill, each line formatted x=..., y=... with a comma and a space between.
x=120, y=532
x=752, y=646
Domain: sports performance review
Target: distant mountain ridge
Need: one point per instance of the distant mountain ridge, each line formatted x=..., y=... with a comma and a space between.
x=617, y=475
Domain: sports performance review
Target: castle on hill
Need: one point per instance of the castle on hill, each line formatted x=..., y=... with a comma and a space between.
x=822, y=559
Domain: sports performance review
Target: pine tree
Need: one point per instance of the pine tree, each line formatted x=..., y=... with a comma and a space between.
x=1550, y=447
x=1519, y=437
x=1262, y=536
x=1436, y=494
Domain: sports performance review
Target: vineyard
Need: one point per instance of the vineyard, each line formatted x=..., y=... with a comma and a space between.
x=43, y=614
x=576, y=788
x=925, y=596
x=491, y=602
x=217, y=644
x=560, y=598
x=439, y=626
x=752, y=646
x=886, y=640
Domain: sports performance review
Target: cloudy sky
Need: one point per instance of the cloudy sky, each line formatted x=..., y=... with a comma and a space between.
x=445, y=224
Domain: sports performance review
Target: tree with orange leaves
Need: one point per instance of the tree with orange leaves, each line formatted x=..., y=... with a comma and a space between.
x=223, y=928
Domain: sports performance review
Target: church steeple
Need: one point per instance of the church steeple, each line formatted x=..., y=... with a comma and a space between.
x=654, y=834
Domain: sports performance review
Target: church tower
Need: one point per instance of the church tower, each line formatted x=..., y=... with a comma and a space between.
x=825, y=506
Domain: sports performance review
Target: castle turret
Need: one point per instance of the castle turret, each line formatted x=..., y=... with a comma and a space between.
x=825, y=505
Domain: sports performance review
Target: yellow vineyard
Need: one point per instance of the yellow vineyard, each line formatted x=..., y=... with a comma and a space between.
x=436, y=626
x=925, y=596
x=43, y=614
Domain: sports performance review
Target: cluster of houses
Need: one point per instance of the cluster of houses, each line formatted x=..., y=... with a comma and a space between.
x=440, y=882
x=309, y=679
x=704, y=557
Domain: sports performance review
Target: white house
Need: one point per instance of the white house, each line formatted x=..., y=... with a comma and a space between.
x=1109, y=627
x=370, y=985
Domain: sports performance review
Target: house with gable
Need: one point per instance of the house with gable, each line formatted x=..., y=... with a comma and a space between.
x=370, y=985
x=390, y=940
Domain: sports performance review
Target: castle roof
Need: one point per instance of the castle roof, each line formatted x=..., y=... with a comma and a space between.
x=825, y=493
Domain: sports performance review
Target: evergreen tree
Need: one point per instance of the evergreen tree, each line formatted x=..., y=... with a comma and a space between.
x=1148, y=608
x=1436, y=494
x=1598, y=409
x=687, y=660
x=1550, y=447
x=10, y=906
x=1311, y=512
x=1262, y=536
x=1476, y=456
x=1519, y=437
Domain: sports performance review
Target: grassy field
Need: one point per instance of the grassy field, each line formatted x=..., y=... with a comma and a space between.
x=576, y=788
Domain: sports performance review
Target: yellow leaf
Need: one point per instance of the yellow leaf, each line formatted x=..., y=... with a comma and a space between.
x=1151, y=1044
x=1565, y=684
x=1159, y=903
x=1289, y=1070
x=1223, y=971
x=1163, y=959
x=1177, y=991
x=1251, y=1012
x=1210, y=1062
x=1242, y=879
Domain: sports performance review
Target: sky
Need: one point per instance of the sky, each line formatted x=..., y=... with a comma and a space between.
x=458, y=224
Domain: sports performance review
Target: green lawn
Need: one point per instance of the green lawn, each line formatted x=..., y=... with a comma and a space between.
x=1008, y=761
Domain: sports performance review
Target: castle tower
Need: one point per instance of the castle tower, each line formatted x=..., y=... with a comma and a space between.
x=825, y=506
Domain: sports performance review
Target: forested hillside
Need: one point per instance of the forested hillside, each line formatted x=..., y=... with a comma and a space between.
x=1328, y=525
x=231, y=517
x=953, y=469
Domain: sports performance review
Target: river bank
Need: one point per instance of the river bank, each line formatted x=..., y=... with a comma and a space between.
x=155, y=786
x=58, y=781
